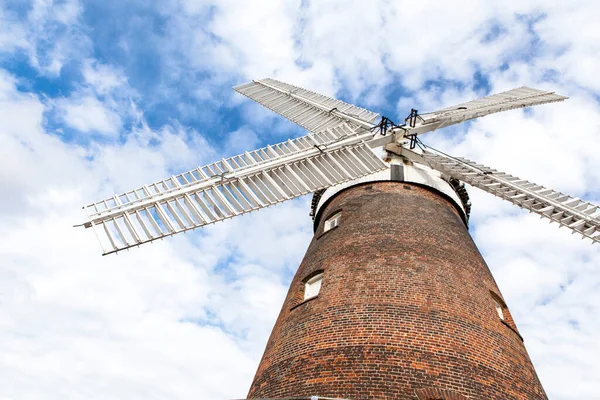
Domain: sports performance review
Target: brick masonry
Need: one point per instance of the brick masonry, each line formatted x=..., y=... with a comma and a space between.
x=405, y=310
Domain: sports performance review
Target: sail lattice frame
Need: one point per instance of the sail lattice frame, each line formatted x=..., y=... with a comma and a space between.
x=505, y=101
x=232, y=187
x=312, y=111
x=574, y=213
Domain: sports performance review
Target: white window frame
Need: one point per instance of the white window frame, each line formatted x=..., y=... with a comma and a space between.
x=332, y=221
x=312, y=287
x=499, y=309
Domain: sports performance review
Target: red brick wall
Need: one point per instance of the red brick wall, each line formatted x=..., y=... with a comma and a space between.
x=405, y=309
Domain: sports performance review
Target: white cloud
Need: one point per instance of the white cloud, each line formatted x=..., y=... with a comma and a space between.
x=12, y=33
x=24, y=149
x=240, y=141
x=88, y=115
x=103, y=78
x=53, y=35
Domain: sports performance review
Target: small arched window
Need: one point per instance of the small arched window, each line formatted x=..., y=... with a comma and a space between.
x=313, y=286
x=499, y=309
x=332, y=221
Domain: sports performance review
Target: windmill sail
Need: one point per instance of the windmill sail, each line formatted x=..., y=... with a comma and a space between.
x=576, y=214
x=231, y=187
x=510, y=100
x=312, y=111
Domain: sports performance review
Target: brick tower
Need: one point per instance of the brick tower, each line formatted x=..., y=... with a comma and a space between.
x=394, y=301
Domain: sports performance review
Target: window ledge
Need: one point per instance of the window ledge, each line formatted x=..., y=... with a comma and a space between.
x=303, y=302
x=511, y=328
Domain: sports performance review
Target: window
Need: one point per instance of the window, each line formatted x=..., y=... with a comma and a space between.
x=499, y=309
x=312, y=286
x=332, y=222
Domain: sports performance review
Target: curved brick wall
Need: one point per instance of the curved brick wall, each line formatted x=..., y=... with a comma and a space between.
x=405, y=309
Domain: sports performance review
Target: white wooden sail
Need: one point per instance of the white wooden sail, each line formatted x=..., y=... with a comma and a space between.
x=314, y=112
x=231, y=187
x=576, y=214
x=510, y=100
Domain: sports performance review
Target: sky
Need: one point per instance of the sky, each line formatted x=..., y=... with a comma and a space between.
x=98, y=97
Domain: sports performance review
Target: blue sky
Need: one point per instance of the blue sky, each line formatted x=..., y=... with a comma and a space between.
x=97, y=97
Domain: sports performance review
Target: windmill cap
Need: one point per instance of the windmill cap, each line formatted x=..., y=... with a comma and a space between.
x=418, y=174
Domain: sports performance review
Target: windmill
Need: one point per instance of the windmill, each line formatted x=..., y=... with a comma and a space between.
x=393, y=299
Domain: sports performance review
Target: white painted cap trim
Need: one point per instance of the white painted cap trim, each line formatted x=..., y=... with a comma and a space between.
x=413, y=173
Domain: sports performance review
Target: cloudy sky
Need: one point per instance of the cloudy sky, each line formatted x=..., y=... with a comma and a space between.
x=99, y=97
